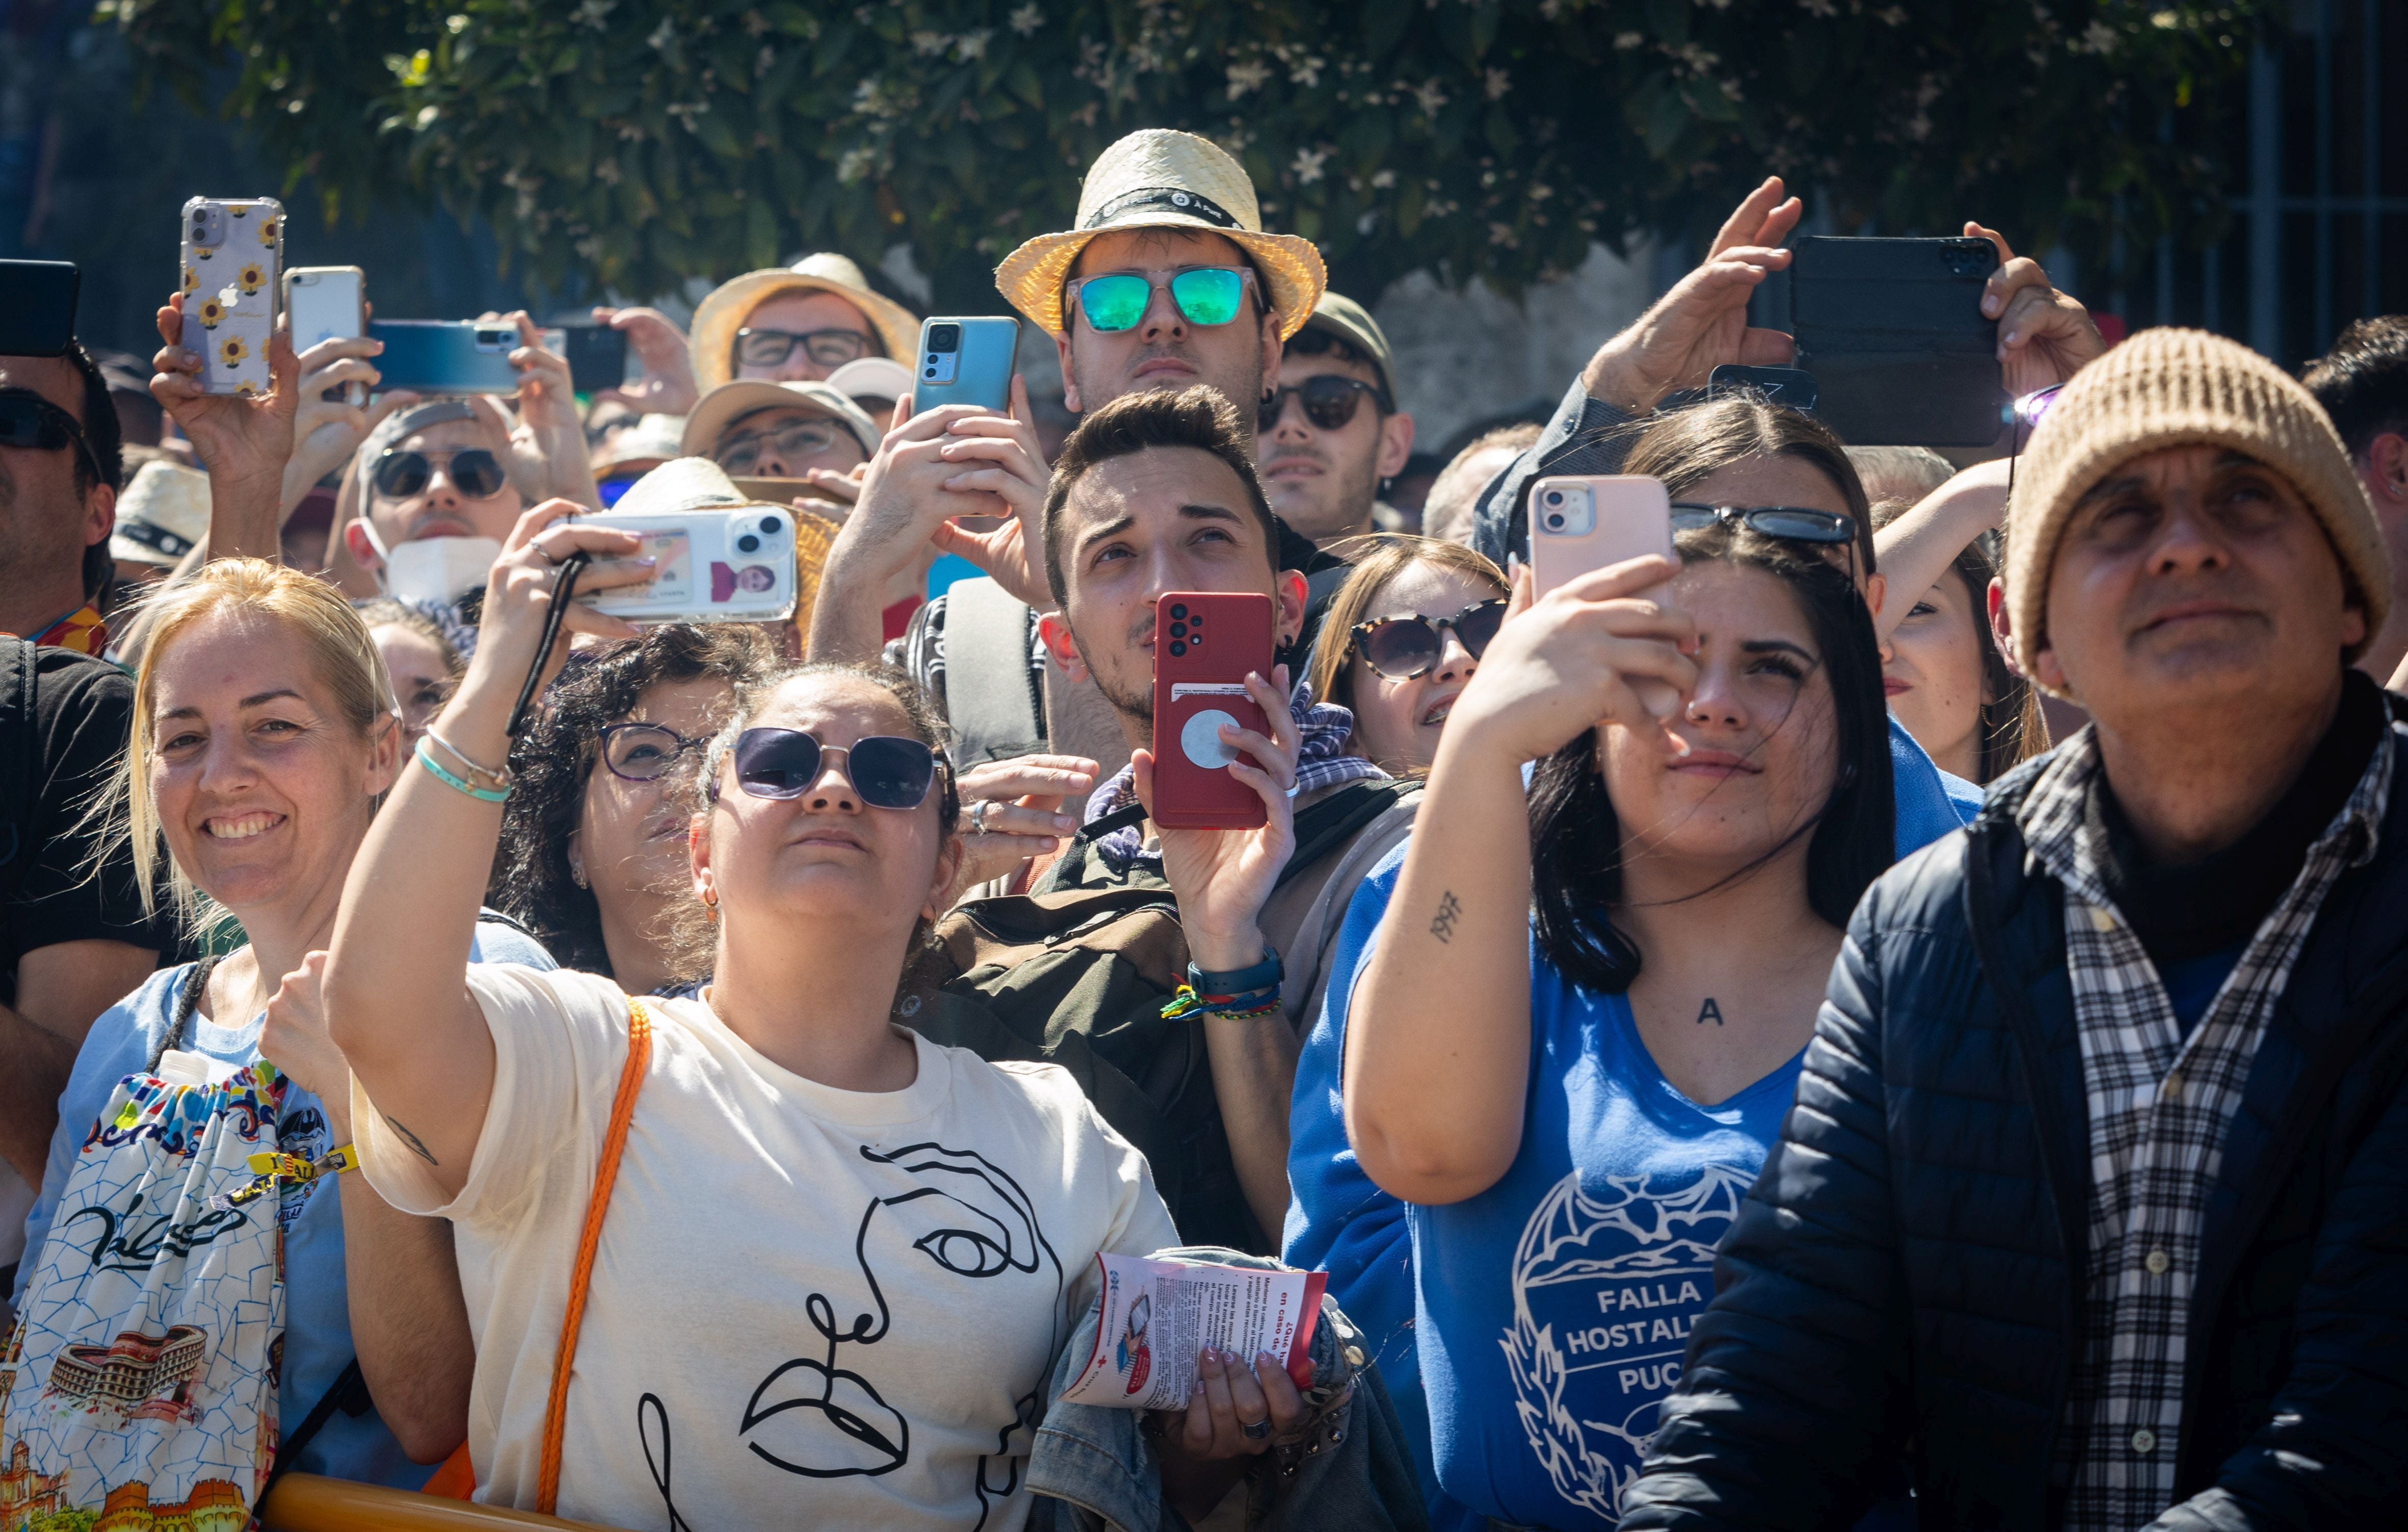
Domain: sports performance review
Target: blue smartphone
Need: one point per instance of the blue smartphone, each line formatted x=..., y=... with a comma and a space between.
x=446, y=356
x=965, y=362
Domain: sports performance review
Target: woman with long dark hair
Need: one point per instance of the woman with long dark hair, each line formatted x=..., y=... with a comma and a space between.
x=1610, y=980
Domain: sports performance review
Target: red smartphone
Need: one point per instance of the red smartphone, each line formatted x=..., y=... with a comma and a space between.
x=1204, y=644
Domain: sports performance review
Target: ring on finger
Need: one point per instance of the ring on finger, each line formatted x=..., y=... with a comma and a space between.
x=1255, y=1430
x=978, y=816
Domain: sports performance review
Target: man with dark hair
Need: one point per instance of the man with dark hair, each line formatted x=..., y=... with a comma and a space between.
x=60, y=459
x=2363, y=383
x=1322, y=454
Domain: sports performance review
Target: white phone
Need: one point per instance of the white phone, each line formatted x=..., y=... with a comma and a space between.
x=1580, y=522
x=327, y=303
x=720, y=564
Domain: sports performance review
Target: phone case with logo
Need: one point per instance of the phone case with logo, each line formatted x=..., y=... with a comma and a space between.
x=1204, y=644
x=233, y=254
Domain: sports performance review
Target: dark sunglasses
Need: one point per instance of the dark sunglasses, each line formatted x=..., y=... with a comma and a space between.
x=1401, y=648
x=474, y=470
x=29, y=420
x=1789, y=523
x=888, y=772
x=643, y=753
x=828, y=348
x=1329, y=402
x=1206, y=295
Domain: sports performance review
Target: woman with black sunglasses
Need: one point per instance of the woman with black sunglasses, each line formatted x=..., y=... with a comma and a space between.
x=1403, y=638
x=594, y=838
x=838, y=1260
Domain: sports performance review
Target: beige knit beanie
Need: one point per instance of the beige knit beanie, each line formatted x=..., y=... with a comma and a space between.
x=2183, y=388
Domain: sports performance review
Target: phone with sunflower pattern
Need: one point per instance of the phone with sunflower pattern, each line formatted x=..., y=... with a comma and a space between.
x=232, y=258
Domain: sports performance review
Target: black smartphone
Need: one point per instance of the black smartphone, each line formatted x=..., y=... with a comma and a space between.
x=38, y=315
x=597, y=356
x=1791, y=386
x=1894, y=334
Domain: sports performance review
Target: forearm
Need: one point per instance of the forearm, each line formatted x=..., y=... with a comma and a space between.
x=39, y=1062
x=847, y=627
x=1443, y=1010
x=1916, y=551
x=247, y=516
x=409, y=1324
x=1253, y=1071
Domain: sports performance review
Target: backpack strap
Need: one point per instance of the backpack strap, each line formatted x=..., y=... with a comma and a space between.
x=188, y=1000
x=348, y=1393
x=990, y=687
x=606, y=1175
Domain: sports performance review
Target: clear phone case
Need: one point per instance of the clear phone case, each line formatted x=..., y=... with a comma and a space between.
x=233, y=261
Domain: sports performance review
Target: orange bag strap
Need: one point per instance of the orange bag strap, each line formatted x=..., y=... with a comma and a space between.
x=606, y=1175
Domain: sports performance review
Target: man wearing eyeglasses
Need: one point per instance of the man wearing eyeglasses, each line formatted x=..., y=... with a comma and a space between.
x=436, y=503
x=58, y=470
x=1330, y=435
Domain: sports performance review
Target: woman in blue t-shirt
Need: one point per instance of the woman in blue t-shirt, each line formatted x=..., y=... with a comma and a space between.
x=1609, y=985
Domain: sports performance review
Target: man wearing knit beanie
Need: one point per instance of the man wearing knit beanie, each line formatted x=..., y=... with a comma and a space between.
x=2091, y=1203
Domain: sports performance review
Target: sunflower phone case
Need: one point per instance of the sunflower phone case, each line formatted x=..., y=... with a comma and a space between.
x=1204, y=644
x=232, y=258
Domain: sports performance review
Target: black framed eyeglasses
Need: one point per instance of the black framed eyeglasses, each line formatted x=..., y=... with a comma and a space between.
x=888, y=771
x=474, y=470
x=1787, y=523
x=827, y=348
x=1401, y=648
x=644, y=752
x=1329, y=402
x=30, y=421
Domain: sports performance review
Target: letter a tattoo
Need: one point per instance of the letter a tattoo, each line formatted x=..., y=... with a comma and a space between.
x=1449, y=909
x=1711, y=1012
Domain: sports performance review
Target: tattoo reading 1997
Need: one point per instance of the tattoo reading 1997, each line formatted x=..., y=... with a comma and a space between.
x=1449, y=909
x=416, y=1146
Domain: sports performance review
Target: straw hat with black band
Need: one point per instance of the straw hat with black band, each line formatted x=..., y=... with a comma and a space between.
x=712, y=346
x=1159, y=178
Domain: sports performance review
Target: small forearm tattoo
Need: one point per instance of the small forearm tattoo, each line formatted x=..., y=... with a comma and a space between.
x=1450, y=910
x=1709, y=1013
x=417, y=1145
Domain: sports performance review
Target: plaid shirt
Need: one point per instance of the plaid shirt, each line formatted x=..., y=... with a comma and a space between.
x=2160, y=1104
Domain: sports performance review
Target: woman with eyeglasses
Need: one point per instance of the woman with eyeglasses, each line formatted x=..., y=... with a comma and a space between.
x=592, y=855
x=839, y=1261
x=1402, y=638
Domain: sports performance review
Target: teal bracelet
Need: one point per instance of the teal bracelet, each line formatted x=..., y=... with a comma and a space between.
x=458, y=784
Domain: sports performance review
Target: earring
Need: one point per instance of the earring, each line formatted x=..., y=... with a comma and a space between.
x=577, y=875
x=710, y=906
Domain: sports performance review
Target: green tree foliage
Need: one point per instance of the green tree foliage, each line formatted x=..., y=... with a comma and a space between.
x=635, y=143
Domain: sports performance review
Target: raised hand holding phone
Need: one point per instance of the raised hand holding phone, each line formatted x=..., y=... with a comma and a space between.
x=1572, y=659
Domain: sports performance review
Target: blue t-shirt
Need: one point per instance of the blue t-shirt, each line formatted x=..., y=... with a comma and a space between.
x=316, y=1305
x=1929, y=801
x=1551, y=1312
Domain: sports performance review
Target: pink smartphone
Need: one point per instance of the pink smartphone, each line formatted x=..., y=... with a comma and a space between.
x=1588, y=522
x=1591, y=521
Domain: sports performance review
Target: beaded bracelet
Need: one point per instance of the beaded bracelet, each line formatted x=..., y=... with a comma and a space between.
x=427, y=758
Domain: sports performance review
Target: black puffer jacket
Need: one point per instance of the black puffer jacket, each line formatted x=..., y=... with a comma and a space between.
x=1906, y=1276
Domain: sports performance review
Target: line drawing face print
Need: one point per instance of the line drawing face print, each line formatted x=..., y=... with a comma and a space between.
x=821, y=1416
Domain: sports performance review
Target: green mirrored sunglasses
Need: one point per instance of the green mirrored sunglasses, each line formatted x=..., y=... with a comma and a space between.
x=1206, y=295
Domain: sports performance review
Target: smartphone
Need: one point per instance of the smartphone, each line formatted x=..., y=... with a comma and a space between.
x=1791, y=386
x=38, y=319
x=233, y=257
x=720, y=564
x=446, y=356
x=965, y=362
x=1584, y=522
x=1894, y=334
x=596, y=353
x=1204, y=644
x=327, y=303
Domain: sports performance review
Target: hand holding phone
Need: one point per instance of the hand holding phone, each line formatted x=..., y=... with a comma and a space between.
x=1205, y=645
x=715, y=564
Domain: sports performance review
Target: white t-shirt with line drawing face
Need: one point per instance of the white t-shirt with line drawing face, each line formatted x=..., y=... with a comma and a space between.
x=809, y=1307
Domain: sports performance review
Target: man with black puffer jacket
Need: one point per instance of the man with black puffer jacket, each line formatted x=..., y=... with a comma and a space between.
x=2090, y=1204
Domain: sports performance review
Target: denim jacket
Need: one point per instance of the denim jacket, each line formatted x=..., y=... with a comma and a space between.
x=1345, y=1470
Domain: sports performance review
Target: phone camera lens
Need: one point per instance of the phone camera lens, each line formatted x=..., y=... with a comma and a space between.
x=1179, y=630
x=1177, y=649
x=771, y=526
x=1555, y=521
x=944, y=338
x=1178, y=609
x=747, y=544
x=1555, y=497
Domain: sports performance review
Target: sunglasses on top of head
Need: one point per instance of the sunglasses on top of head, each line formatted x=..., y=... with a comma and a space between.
x=473, y=470
x=29, y=420
x=1401, y=648
x=1115, y=301
x=887, y=770
x=1329, y=402
x=1786, y=523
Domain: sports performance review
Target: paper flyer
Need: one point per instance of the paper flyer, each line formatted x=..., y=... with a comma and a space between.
x=1159, y=1316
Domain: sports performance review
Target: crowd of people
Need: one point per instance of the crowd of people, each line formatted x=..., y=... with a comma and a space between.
x=1888, y=1016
